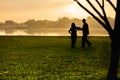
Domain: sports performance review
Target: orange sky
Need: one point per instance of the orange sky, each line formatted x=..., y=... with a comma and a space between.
x=22, y=10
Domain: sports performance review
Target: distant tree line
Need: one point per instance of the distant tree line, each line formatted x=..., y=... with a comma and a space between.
x=44, y=26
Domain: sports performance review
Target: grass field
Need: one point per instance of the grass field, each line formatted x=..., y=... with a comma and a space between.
x=51, y=58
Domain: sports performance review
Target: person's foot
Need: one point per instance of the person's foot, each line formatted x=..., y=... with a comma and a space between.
x=89, y=45
x=83, y=46
x=72, y=46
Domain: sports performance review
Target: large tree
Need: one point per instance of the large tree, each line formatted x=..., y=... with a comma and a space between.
x=114, y=33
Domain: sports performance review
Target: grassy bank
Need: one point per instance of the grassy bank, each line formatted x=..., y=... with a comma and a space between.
x=51, y=58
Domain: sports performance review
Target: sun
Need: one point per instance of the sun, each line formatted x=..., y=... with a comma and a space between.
x=71, y=8
x=74, y=11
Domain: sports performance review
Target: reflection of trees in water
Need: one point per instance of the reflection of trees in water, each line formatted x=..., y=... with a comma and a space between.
x=60, y=26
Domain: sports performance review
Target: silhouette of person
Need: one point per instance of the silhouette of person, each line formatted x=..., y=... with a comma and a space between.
x=73, y=32
x=85, y=30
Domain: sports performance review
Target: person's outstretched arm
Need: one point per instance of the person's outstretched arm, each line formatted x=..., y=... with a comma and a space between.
x=78, y=28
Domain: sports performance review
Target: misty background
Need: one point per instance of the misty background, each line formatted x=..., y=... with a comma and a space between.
x=51, y=28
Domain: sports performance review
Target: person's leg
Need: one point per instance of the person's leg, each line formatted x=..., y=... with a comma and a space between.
x=88, y=42
x=83, y=42
x=73, y=42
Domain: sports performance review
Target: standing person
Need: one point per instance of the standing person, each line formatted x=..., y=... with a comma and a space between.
x=73, y=32
x=85, y=30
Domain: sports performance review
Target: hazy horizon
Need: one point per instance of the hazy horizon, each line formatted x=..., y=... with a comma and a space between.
x=51, y=28
x=20, y=11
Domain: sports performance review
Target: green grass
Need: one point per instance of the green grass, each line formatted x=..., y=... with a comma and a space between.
x=51, y=58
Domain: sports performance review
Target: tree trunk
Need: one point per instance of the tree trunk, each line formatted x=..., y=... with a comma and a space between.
x=115, y=49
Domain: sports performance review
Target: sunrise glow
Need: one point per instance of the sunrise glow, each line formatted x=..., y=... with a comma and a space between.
x=20, y=11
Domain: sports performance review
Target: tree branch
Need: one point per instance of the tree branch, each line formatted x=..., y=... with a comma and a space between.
x=104, y=13
x=102, y=7
x=106, y=26
x=103, y=3
x=90, y=12
x=112, y=4
x=95, y=9
x=99, y=3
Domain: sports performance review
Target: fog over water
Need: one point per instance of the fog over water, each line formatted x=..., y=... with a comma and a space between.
x=50, y=28
x=65, y=33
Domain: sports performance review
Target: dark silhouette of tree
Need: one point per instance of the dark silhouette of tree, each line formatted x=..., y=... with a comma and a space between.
x=114, y=33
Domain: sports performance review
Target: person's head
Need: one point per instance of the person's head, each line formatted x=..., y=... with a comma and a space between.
x=73, y=25
x=84, y=20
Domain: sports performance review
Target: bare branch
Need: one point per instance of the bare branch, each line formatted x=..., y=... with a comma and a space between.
x=112, y=4
x=99, y=3
x=102, y=7
x=103, y=3
x=104, y=13
x=95, y=9
x=105, y=25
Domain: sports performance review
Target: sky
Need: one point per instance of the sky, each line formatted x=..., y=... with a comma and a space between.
x=22, y=10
